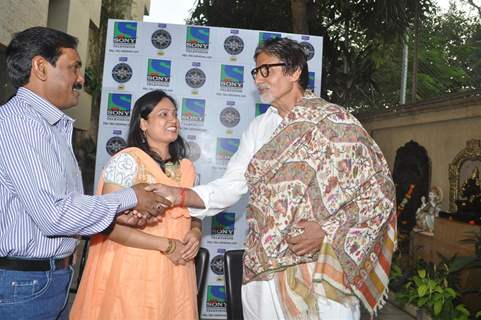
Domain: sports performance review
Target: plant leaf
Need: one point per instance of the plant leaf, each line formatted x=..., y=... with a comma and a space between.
x=438, y=306
x=461, y=308
x=451, y=292
x=422, y=273
x=422, y=301
x=422, y=290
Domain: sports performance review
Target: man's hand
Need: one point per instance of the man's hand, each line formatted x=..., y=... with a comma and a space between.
x=170, y=193
x=149, y=202
x=308, y=242
x=192, y=243
x=176, y=256
x=182, y=197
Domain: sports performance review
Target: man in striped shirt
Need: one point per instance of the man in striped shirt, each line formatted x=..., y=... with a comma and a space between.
x=42, y=205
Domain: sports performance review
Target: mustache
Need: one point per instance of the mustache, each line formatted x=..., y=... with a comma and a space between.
x=263, y=86
x=78, y=86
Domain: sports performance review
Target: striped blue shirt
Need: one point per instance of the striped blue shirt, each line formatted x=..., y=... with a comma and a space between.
x=42, y=205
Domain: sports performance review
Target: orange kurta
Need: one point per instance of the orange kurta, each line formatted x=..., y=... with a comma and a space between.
x=128, y=283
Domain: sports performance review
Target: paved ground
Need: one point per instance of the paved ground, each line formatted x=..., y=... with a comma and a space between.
x=390, y=312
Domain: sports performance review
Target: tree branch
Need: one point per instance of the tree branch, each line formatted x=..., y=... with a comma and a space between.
x=471, y=2
x=299, y=16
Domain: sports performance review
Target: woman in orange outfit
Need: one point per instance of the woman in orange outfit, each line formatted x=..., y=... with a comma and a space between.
x=140, y=274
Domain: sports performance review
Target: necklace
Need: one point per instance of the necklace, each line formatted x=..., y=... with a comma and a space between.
x=172, y=171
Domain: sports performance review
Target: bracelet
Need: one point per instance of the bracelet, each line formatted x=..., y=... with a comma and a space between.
x=171, y=247
x=183, y=191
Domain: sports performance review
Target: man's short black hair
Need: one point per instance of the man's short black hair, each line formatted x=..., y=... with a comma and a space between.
x=36, y=41
x=289, y=52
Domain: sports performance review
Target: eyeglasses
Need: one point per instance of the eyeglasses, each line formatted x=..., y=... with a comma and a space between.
x=264, y=69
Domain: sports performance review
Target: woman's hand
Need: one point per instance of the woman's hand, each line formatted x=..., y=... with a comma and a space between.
x=135, y=219
x=132, y=218
x=191, y=243
x=176, y=255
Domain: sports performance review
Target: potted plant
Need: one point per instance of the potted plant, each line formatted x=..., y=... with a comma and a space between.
x=427, y=293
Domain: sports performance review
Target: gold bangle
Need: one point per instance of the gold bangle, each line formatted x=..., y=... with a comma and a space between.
x=173, y=247
x=170, y=248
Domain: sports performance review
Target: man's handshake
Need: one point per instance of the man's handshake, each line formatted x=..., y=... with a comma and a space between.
x=150, y=207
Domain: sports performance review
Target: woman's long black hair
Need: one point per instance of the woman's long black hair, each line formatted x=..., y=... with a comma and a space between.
x=142, y=108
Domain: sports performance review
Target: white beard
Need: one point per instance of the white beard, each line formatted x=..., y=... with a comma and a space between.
x=266, y=97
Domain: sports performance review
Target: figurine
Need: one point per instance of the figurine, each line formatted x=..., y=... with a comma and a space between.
x=428, y=211
x=470, y=195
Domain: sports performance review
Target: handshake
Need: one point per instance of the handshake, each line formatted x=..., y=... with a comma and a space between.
x=152, y=201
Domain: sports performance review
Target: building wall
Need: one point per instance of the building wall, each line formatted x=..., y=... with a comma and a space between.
x=442, y=127
x=78, y=20
x=95, y=7
x=138, y=9
x=18, y=15
x=71, y=16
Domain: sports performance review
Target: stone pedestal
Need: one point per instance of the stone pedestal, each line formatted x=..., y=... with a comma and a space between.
x=446, y=240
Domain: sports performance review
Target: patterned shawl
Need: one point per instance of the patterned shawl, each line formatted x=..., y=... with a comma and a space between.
x=321, y=165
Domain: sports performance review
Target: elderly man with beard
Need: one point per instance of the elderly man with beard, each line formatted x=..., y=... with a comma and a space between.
x=321, y=213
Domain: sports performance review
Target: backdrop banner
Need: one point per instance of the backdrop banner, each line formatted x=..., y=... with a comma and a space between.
x=207, y=71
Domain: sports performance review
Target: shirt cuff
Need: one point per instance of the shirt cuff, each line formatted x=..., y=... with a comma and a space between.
x=125, y=198
x=203, y=193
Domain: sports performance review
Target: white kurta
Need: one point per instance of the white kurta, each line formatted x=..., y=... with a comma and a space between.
x=259, y=298
x=227, y=190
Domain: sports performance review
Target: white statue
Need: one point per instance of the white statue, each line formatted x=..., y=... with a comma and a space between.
x=428, y=211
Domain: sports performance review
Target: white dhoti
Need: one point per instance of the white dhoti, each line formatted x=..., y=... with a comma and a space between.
x=261, y=302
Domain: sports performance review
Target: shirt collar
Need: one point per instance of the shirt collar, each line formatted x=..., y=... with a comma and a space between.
x=308, y=94
x=272, y=109
x=47, y=110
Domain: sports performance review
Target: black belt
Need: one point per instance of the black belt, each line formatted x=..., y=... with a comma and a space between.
x=33, y=265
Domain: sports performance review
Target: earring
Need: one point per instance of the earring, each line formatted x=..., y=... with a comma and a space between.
x=142, y=136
